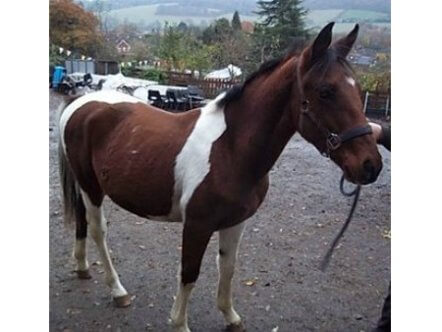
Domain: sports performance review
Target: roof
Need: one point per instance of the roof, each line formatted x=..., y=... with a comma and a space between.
x=123, y=43
x=362, y=60
x=225, y=73
x=247, y=26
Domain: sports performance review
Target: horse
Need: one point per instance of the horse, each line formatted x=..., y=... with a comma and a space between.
x=208, y=168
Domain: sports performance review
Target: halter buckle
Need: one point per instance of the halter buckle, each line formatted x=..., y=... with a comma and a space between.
x=333, y=142
x=305, y=106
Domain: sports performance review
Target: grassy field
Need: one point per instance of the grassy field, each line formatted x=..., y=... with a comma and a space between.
x=319, y=18
x=314, y=19
x=148, y=15
x=363, y=15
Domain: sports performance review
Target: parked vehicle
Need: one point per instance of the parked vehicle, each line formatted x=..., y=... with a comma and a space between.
x=66, y=84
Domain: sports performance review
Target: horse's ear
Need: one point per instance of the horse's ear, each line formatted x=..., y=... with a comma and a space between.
x=343, y=46
x=322, y=41
x=318, y=48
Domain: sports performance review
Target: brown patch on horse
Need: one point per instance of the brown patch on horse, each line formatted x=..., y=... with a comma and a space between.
x=124, y=143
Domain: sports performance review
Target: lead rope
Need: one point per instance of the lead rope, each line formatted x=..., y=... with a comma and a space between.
x=355, y=193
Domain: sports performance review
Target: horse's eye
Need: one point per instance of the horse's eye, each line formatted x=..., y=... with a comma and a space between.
x=326, y=92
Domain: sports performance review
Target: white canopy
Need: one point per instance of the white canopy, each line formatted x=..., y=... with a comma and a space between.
x=230, y=71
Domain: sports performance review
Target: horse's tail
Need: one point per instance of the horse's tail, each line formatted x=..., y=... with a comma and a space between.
x=73, y=205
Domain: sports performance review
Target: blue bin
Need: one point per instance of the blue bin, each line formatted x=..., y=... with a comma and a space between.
x=57, y=78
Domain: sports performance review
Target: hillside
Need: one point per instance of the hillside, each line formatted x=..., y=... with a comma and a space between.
x=382, y=6
x=153, y=13
x=156, y=15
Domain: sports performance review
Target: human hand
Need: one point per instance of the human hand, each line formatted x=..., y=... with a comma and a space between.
x=377, y=131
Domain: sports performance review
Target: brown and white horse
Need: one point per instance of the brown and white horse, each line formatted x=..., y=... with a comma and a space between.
x=208, y=168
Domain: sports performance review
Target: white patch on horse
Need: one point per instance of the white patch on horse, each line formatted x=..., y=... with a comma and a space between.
x=192, y=163
x=98, y=230
x=106, y=96
x=80, y=255
x=351, y=81
x=229, y=240
x=178, y=314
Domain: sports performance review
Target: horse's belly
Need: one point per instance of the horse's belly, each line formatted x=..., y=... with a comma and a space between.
x=172, y=217
x=145, y=191
x=147, y=209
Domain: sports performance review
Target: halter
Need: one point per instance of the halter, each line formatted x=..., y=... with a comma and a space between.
x=333, y=141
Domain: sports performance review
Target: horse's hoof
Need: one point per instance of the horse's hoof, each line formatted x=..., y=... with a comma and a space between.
x=235, y=327
x=83, y=274
x=122, y=301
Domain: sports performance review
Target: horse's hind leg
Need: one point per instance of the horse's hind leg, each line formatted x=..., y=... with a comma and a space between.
x=79, y=252
x=229, y=240
x=98, y=230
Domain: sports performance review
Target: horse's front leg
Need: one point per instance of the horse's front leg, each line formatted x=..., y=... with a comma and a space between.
x=229, y=240
x=195, y=239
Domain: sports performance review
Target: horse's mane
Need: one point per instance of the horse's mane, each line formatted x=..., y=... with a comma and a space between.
x=320, y=67
x=235, y=92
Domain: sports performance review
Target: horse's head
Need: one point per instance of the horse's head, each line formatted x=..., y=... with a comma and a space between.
x=330, y=115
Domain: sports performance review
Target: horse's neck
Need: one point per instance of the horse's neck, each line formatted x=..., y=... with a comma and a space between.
x=261, y=121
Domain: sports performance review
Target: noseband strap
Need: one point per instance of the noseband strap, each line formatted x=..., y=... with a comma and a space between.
x=333, y=140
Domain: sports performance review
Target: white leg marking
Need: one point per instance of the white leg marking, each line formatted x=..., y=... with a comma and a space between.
x=106, y=96
x=192, y=163
x=80, y=255
x=229, y=240
x=351, y=81
x=98, y=231
x=178, y=314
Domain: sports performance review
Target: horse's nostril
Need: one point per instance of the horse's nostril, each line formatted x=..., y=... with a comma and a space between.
x=370, y=170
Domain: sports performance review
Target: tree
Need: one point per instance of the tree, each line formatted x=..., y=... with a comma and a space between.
x=229, y=45
x=197, y=56
x=55, y=58
x=101, y=9
x=282, y=22
x=233, y=49
x=72, y=27
x=127, y=31
x=140, y=50
x=170, y=47
x=217, y=31
x=182, y=26
x=236, y=22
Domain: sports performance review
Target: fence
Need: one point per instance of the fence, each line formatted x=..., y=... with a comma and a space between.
x=377, y=105
x=211, y=87
x=99, y=67
x=80, y=66
x=106, y=67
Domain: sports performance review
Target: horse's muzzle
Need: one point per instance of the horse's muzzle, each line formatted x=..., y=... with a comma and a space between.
x=370, y=171
x=364, y=172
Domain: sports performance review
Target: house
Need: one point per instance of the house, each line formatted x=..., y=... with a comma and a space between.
x=123, y=46
x=362, y=60
x=363, y=57
x=247, y=26
x=229, y=72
